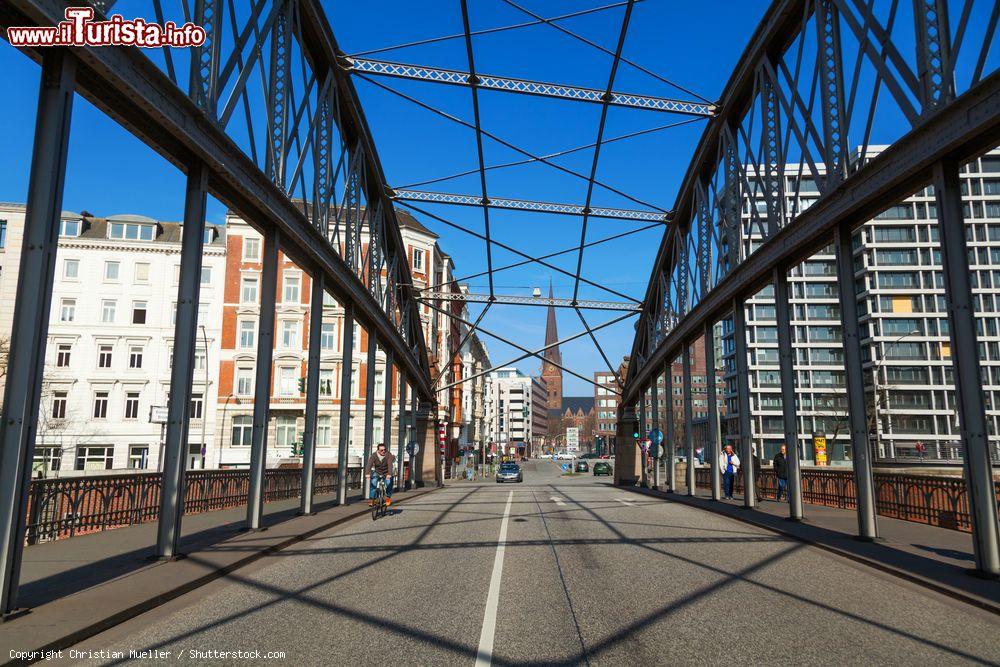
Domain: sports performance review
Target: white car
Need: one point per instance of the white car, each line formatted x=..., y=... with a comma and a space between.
x=564, y=456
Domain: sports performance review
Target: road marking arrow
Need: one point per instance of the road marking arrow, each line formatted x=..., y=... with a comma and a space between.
x=627, y=503
x=557, y=500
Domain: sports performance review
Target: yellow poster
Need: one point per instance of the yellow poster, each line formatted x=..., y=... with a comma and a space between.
x=819, y=446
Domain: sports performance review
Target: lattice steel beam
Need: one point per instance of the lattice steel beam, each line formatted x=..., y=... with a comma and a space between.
x=527, y=87
x=533, y=301
x=528, y=205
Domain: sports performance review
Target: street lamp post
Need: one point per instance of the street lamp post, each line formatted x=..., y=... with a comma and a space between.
x=876, y=370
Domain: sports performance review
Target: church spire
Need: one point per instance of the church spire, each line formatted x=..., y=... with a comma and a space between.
x=551, y=333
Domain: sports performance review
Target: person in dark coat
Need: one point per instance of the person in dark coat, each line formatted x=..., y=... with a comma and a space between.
x=781, y=472
x=382, y=463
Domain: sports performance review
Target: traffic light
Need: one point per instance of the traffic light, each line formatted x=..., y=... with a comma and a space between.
x=302, y=385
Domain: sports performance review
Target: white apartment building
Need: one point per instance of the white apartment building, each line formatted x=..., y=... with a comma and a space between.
x=513, y=402
x=110, y=341
x=905, y=344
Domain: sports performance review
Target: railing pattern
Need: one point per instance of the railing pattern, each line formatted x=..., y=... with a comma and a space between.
x=70, y=506
x=934, y=500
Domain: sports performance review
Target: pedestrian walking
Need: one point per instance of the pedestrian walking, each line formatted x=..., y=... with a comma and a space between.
x=728, y=463
x=781, y=472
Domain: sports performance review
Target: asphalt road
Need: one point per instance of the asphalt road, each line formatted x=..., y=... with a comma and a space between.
x=589, y=574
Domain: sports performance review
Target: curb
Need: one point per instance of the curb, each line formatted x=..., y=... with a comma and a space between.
x=961, y=596
x=123, y=615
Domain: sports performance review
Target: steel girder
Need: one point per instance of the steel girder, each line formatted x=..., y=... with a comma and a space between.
x=528, y=205
x=184, y=128
x=526, y=87
x=585, y=304
x=770, y=111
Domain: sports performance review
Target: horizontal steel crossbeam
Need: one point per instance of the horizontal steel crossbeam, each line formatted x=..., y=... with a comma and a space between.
x=528, y=205
x=583, y=304
x=527, y=87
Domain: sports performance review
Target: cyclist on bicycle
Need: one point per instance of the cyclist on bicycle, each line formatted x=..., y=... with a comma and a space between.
x=381, y=463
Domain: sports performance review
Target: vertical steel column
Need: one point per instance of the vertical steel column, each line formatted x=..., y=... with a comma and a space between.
x=312, y=394
x=172, y=492
x=655, y=389
x=712, y=448
x=387, y=405
x=786, y=365
x=688, y=419
x=26, y=355
x=346, y=374
x=743, y=400
x=861, y=453
x=643, y=433
x=369, y=407
x=402, y=431
x=415, y=473
x=670, y=433
x=262, y=388
x=965, y=362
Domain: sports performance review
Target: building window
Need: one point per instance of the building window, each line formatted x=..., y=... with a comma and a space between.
x=59, y=405
x=379, y=382
x=242, y=431
x=63, y=353
x=95, y=458
x=418, y=259
x=248, y=291
x=139, y=312
x=104, y=355
x=131, y=231
x=286, y=381
x=135, y=356
x=100, y=405
x=200, y=359
x=244, y=381
x=71, y=269
x=206, y=275
x=111, y=271
x=290, y=334
x=326, y=382
x=285, y=427
x=290, y=293
x=251, y=249
x=209, y=237
x=142, y=272
x=138, y=457
x=248, y=333
x=324, y=432
x=197, y=406
x=67, y=310
x=328, y=337
x=47, y=458
x=108, y=310
x=67, y=228
x=132, y=405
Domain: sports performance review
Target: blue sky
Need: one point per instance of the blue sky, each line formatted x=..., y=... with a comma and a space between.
x=694, y=44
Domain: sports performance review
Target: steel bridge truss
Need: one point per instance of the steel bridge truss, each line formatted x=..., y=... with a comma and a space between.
x=263, y=117
x=786, y=167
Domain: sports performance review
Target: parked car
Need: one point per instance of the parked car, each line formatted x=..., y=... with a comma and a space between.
x=509, y=472
x=564, y=456
x=602, y=468
x=582, y=466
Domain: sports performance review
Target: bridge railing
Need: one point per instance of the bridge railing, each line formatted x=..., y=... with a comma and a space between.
x=935, y=500
x=70, y=506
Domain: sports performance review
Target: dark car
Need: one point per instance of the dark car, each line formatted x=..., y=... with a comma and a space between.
x=509, y=472
x=602, y=468
x=582, y=466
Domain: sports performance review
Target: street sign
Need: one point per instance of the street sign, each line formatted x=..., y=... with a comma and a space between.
x=412, y=448
x=656, y=436
x=158, y=414
x=572, y=439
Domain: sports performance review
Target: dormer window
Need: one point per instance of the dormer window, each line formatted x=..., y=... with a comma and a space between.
x=210, y=235
x=70, y=228
x=131, y=231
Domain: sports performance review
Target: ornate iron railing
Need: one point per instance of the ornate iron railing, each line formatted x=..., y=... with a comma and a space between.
x=70, y=506
x=931, y=499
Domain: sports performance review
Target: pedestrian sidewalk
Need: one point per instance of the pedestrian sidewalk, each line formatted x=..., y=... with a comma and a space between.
x=934, y=557
x=77, y=587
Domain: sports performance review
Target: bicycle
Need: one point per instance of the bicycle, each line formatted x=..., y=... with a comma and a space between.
x=379, y=508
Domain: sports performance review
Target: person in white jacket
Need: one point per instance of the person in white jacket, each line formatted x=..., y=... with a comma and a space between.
x=729, y=463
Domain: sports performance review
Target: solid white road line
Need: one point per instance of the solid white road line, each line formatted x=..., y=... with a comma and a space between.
x=485, y=654
x=557, y=500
